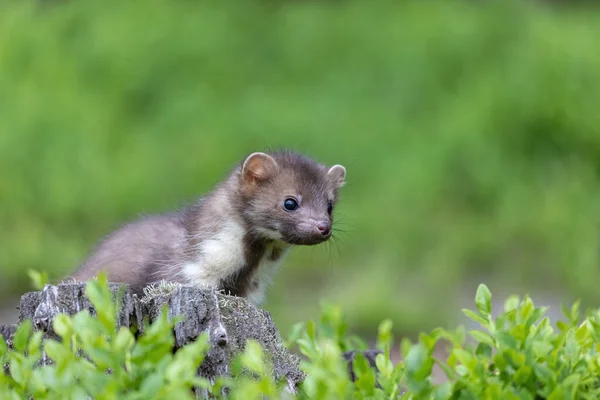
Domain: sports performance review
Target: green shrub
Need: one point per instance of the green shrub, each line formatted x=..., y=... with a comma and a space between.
x=516, y=355
x=140, y=369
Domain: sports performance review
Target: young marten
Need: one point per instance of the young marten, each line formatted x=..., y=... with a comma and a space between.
x=235, y=238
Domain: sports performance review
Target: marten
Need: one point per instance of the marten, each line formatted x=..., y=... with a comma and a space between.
x=234, y=238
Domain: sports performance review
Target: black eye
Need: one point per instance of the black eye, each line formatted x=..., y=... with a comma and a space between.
x=290, y=204
x=329, y=208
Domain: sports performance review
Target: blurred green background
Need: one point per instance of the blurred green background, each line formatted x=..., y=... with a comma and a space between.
x=470, y=132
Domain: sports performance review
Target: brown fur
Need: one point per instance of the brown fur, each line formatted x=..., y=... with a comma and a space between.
x=157, y=247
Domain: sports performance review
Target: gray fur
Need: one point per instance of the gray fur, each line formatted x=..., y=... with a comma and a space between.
x=155, y=248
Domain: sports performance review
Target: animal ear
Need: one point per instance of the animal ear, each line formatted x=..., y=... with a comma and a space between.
x=259, y=166
x=337, y=175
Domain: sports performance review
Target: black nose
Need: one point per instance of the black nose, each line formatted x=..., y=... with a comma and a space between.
x=324, y=227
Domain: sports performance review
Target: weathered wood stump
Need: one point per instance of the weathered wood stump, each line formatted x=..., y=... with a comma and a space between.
x=230, y=322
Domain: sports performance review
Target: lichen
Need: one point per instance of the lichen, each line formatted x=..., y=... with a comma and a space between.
x=158, y=289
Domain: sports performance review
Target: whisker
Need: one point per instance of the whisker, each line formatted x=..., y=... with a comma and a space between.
x=335, y=243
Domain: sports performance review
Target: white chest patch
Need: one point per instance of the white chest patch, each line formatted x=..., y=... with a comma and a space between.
x=222, y=255
x=218, y=256
x=266, y=271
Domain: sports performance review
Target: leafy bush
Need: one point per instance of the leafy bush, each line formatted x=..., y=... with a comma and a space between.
x=516, y=355
x=140, y=369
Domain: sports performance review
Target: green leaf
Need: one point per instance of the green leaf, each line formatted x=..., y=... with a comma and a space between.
x=543, y=373
x=562, y=326
x=511, y=303
x=575, y=311
x=62, y=325
x=582, y=332
x=21, y=335
x=55, y=350
x=418, y=368
x=522, y=375
x=416, y=357
x=252, y=357
x=464, y=357
x=475, y=317
x=557, y=394
x=3, y=348
x=16, y=372
x=483, y=337
x=505, y=339
x=446, y=368
x=536, y=315
x=500, y=322
x=443, y=391
x=517, y=358
x=541, y=349
x=418, y=363
x=384, y=335
x=405, y=346
x=428, y=341
x=483, y=299
x=571, y=383
x=310, y=330
x=460, y=335
x=308, y=349
x=462, y=370
x=34, y=347
x=500, y=361
x=38, y=279
x=493, y=391
x=100, y=296
x=565, y=312
x=124, y=341
x=526, y=310
x=384, y=364
x=525, y=394
x=36, y=384
x=295, y=334
x=483, y=349
x=519, y=332
x=365, y=375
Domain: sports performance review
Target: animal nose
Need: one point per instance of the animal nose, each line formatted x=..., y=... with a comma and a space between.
x=324, y=227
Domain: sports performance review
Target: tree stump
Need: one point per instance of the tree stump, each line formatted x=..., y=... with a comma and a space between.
x=229, y=321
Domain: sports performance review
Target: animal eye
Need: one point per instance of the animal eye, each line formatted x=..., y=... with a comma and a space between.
x=329, y=208
x=290, y=204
